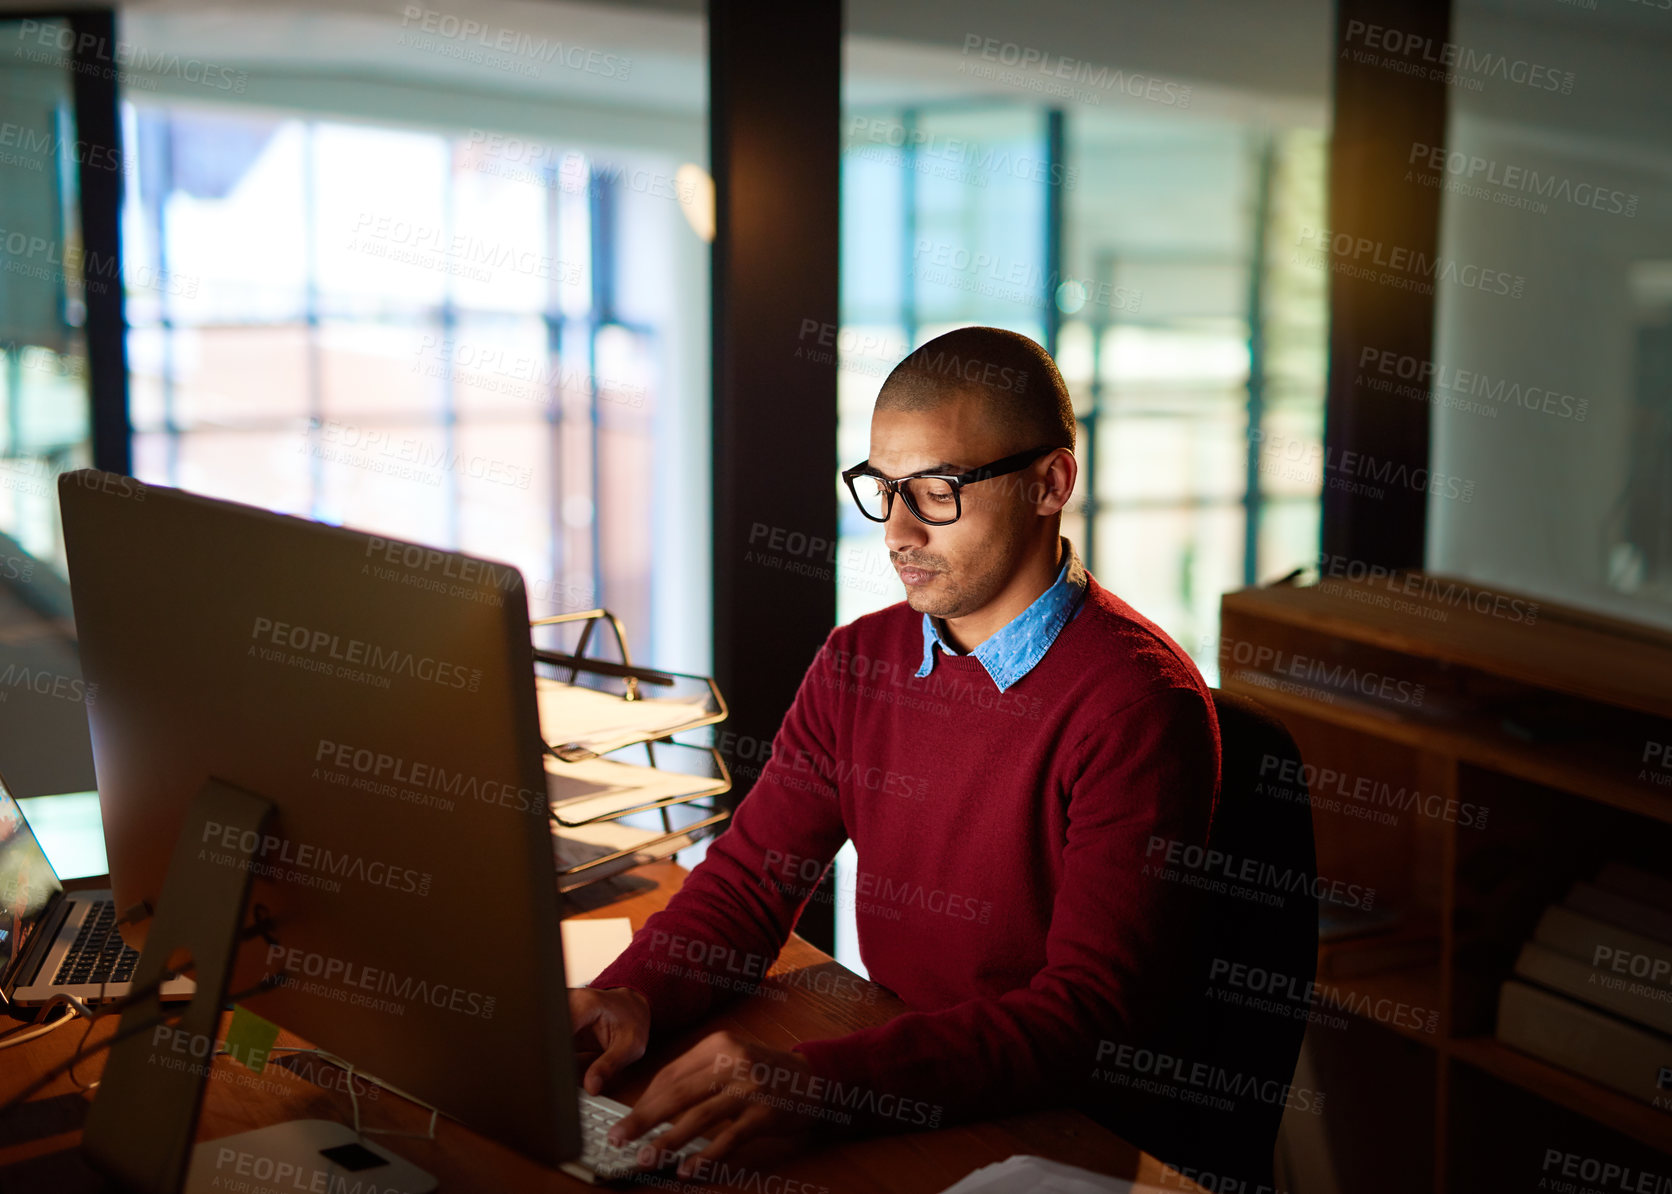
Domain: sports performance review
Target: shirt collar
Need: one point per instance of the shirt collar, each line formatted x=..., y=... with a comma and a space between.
x=1011, y=652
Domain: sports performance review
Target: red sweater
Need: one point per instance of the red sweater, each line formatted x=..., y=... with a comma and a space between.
x=1002, y=840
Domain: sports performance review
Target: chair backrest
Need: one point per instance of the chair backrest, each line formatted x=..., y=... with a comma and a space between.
x=1252, y=936
x=1264, y=817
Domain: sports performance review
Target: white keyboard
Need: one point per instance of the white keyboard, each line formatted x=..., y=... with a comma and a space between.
x=601, y=1161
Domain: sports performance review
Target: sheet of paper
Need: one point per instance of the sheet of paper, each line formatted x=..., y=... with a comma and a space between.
x=602, y=787
x=582, y=843
x=600, y=721
x=591, y=945
x=1024, y=1175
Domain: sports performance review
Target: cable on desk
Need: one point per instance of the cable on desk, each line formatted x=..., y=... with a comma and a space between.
x=84, y=1052
x=354, y=1099
x=77, y=1010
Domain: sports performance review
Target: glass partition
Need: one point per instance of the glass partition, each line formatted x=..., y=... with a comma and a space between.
x=1553, y=402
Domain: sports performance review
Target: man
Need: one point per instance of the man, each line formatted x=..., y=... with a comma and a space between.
x=1004, y=747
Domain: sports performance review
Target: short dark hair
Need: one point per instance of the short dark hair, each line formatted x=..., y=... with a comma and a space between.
x=1014, y=378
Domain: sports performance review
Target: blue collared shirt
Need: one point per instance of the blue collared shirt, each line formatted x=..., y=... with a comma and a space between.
x=1012, y=651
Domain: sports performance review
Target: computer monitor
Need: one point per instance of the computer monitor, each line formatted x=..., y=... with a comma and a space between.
x=381, y=695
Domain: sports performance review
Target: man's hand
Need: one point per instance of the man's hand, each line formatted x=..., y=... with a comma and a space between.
x=762, y=1091
x=611, y=1026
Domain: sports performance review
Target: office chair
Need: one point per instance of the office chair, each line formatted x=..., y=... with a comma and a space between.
x=1264, y=817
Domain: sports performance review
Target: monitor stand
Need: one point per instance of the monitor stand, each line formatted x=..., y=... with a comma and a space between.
x=302, y=1154
x=142, y=1126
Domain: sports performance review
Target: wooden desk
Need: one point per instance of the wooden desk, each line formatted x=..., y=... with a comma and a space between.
x=38, y=1141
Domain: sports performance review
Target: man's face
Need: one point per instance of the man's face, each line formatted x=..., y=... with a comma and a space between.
x=953, y=571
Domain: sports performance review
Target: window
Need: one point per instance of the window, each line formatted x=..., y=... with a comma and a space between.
x=413, y=332
x=44, y=410
x=1193, y=346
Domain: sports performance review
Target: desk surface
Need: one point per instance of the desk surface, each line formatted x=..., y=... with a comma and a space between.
x=38, y=1141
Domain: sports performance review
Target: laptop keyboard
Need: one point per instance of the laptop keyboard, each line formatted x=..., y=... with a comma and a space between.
x=98, y=954
x=598, y=1116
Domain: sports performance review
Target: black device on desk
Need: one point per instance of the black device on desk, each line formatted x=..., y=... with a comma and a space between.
x=383, y=707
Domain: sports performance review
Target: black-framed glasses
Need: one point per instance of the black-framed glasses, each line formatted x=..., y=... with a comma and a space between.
x=934, y=498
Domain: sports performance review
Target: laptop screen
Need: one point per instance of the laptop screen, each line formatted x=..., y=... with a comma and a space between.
x=27, y=881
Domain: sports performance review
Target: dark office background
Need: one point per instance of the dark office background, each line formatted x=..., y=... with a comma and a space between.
x=223, y=231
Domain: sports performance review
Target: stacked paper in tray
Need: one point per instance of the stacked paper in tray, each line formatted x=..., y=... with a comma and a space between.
x=1592, y=990
x=609, y=816
x=585, y=720
x=594, y=789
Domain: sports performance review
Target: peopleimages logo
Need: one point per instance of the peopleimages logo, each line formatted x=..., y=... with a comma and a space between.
x=876, y=679
x=89, y=48
x=1199, y=1082
x=451, y=566
x=306, y=864
x=465, y=32
x=819, y=1096
x=851, y=774
x=362, y=985
x=1602, y=1175
x=531, y=377
x=1474, y=169
x=947, y=264
x=1658, y=756
x=1273, y=661
x=1407, y=268
x=1471, y=383
x=1422, y=56
x=1429, y=588
x=38, y=147
x=20, y=677
x=239, y=1171
x=385, y=774
x=1361, y=796
x=970, y=369
x=1061, y=75
x=1260, y=989
x=874, y=893
x=1218, y=871
x=981, y=160
x=326, y=649
x=1295, y=458
x=18, y=568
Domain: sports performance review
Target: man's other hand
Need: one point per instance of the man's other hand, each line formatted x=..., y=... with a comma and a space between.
x=612, y=1026
x=762, y=1091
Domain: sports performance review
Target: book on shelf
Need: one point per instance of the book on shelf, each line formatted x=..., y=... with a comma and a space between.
x=1622, y=995
x=1633, y=1060
x=1624, y=879
x=1621, y=908
x=1597, y=942
x=1336, y=923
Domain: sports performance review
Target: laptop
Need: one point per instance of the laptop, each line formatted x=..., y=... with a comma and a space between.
x=55, y=942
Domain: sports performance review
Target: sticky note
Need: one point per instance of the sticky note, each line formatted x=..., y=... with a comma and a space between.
x=249, y=1038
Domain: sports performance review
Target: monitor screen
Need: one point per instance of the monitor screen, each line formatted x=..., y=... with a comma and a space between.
x=27, y=881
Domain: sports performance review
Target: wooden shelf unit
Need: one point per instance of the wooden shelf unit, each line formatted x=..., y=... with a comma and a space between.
x=1540, y=724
